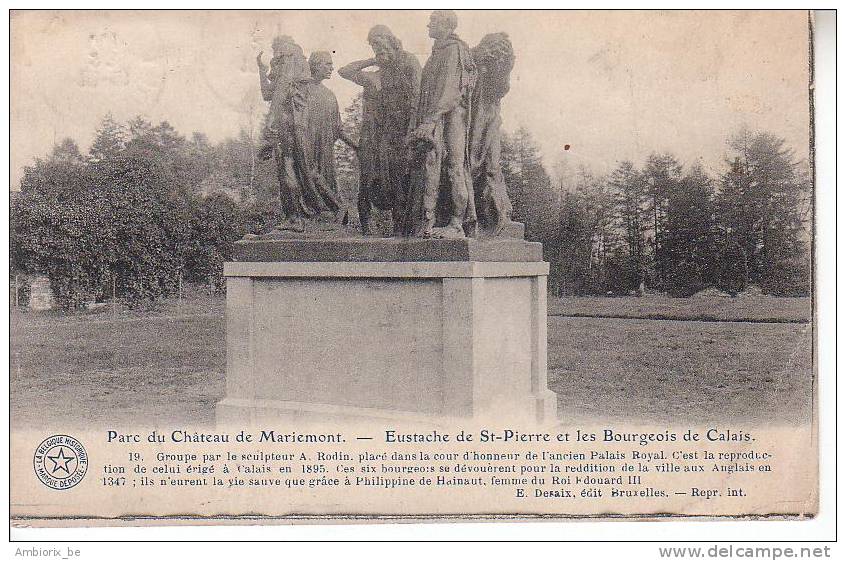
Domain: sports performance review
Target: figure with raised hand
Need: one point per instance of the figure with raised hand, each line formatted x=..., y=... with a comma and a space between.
x=391, y=84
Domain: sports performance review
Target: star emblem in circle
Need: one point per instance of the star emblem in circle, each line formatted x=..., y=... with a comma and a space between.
x=60, y=461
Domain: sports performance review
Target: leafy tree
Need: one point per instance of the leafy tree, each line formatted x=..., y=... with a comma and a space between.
x=216, y=224
x=345, y=157
x=140, y=129
x=146, y=236
x=119, y=216
x=200, y=153
x=253, y=186
x=54, y=225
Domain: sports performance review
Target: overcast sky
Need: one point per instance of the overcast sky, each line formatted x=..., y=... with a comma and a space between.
x=613, y=85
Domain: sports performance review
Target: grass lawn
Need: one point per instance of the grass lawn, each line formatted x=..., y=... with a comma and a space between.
x=762, y=308
x=92, y=371
x=167, y=365
x=681, y=371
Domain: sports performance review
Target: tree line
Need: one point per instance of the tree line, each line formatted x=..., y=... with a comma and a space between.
x=666, y=227
x=142, y=211
x=147, y=208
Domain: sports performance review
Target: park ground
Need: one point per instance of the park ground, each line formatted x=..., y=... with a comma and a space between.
x=648, y=359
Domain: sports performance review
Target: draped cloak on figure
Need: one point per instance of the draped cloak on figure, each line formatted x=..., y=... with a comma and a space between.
x=494, y=58
x=389, y=105
x=446, y=87
x=322, y=130
x=297, y=106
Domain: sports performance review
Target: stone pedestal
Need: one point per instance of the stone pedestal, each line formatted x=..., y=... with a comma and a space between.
x=372, y=329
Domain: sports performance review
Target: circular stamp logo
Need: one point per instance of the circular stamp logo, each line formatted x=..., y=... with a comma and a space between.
x=60, y=461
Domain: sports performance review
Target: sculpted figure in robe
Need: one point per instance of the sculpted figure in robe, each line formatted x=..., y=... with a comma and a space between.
x=494, y=58
x=304, y=124
x=391, y=82
x=322, y=131
x=441, y=201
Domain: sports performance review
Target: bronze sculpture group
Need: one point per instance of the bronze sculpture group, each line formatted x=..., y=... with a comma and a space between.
x=429, y=148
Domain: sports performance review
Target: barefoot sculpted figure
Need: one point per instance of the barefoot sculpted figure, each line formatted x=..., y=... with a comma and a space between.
x=304, y=125
x=443, y=208
x=391, y=82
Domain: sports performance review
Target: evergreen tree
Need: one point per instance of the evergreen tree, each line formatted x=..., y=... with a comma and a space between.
x=574, y=245
x=139, y=129
x=630, y=199
x=689, y=243
x=66, y=152
x=587, y=246
x=761, y=207
x=662, y=173
x=529, y=186
x=109, y=140
x=535, y=202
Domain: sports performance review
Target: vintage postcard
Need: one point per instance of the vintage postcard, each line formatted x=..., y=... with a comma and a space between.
x=316, y=266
